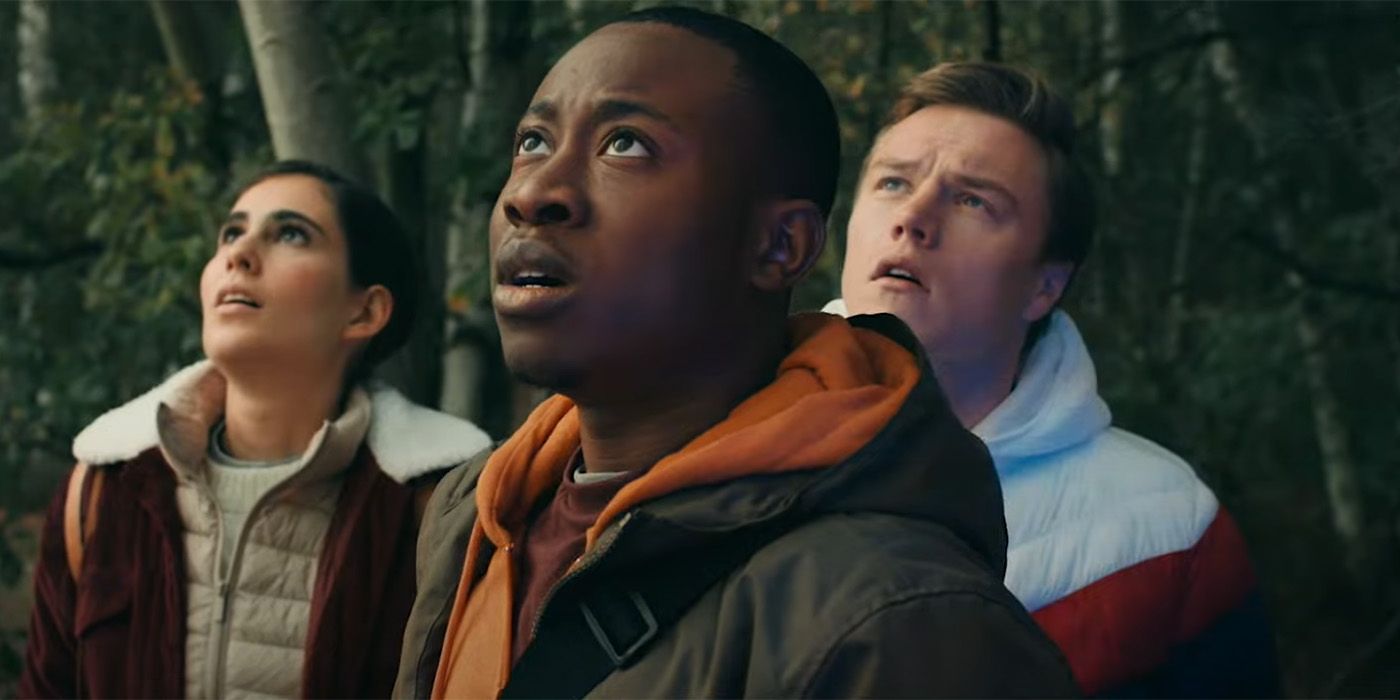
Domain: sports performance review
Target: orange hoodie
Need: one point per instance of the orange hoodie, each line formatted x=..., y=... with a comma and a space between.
x=833, y=393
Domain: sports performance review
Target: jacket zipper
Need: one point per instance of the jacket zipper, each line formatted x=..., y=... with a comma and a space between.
x=218, y=637
x=588, y=561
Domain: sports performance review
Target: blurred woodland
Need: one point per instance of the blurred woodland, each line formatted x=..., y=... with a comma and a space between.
x=1242, y=301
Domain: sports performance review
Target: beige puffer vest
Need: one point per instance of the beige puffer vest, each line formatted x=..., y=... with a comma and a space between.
x=246, y=636
x=247, y=622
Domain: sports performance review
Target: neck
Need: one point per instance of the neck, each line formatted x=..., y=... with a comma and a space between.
x=634, y=433
x=974, y=389
x=271, y=418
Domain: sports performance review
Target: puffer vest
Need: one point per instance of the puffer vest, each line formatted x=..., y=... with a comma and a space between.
x=247, y=620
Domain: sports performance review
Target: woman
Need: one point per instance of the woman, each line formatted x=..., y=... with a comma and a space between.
x=254, y=524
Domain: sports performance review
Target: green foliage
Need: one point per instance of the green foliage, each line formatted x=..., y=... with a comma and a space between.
x=113, y=179
x=120, y=187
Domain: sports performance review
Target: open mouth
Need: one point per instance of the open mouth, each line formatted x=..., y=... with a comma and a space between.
x=531, y=263
x=895, y=271
x=901, y=274
x=533, y=278
x=239, y=298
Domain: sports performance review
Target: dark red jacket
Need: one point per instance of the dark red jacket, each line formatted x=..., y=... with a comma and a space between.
x=119, y=631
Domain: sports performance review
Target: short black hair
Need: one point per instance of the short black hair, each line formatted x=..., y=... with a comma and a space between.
x=378, y=248
x=802, y=119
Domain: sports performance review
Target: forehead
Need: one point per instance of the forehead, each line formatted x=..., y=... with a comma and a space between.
x=966, y=139
x=302, y=193
x=684, y=75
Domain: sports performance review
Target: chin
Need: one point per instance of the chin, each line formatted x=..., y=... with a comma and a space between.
x=541, y=367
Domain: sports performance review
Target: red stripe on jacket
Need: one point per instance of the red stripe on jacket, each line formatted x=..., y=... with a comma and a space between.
x=1123, y=626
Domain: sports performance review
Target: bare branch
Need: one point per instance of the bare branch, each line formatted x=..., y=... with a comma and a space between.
x=1146, y=56
x=1311, y=275
x=28, y=260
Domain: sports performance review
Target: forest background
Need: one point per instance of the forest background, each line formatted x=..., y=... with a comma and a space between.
x=1242, y=301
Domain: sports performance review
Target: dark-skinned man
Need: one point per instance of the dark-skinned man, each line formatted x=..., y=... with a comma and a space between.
x=717, y=502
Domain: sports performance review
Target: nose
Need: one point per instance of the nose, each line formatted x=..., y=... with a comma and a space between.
x=918, y=218
x=547, y=195
x=242, y=254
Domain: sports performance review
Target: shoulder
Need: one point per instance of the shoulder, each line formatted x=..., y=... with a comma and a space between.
x=864, y=579
x=409, y=440
x=1096, y=509
x=870, y=604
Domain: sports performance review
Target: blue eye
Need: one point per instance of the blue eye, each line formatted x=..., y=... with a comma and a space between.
x=625, y=144
x=972, y=200
x=892, y=184
x=228, y=234
x=531, y=143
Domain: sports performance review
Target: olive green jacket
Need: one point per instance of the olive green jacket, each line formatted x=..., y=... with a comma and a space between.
x=888, y=586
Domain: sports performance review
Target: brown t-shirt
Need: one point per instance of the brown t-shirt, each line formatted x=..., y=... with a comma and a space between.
x=555, y=539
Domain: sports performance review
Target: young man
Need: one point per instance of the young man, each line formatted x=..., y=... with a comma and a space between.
x=971, y=218
x=716, y=504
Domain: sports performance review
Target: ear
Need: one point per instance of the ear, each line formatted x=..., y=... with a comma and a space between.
x=375, y=304
x=1051, y=280
x=792, y=234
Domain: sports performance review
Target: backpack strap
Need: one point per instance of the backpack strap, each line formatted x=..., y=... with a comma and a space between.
x=79, y=521
x=622, y=612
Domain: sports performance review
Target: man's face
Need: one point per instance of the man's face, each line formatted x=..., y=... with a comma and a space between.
x=617, y=243
x=946, y=233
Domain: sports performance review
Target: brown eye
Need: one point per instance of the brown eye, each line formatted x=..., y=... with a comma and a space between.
x=626, y=144
x=531, y=143
x=228, y=234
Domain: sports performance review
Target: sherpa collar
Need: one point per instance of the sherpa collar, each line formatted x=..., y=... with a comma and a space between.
x=407, y=440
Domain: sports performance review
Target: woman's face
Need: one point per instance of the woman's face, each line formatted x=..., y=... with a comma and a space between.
x=278, y=288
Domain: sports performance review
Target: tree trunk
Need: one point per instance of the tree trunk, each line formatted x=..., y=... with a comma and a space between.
x=188, y=48
x=304, y=96
x=501, y=80
x=415, y=368
x=1334, y=442
x=38, y=77
x=1181, y=255
x=1339, y=468
x=1111, y=113
x=991, y=22
x=185, y=42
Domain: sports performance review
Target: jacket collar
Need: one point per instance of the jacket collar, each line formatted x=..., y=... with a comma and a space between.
x=923, y=466
x=407, y=440
x=1056, y=402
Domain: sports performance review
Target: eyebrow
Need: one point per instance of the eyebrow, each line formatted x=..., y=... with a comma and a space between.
x=903, y=167
x=280, y=215
x=604, y=111
x=289, y=215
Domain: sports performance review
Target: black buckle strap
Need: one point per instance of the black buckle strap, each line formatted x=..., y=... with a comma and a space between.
x=606, y=640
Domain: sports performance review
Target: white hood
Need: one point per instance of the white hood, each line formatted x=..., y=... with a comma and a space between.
x=407, y=440
x=1055, y=404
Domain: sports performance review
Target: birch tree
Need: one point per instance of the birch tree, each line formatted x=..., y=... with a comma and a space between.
x=304, y=94
x=500, y=84
x=38, y=77
x=1339, y=467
